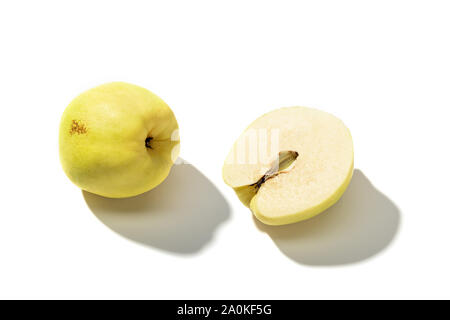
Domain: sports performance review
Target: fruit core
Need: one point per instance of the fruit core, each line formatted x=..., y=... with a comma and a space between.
x=284, y=163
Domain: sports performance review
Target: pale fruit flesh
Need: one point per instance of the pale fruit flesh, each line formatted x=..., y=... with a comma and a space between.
x=118, y=140
x=317, y=177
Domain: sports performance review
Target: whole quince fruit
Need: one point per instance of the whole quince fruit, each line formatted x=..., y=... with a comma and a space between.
x=118, y=140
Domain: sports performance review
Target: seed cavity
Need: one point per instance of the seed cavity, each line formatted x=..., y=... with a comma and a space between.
x=282, y=164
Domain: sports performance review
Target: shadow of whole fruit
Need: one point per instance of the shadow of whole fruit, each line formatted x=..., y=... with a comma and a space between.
x=180, y=215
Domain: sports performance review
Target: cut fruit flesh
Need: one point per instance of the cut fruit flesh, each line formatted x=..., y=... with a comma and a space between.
x=316, y=149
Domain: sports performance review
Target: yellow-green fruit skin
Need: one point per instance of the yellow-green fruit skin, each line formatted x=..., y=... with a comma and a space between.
x=102, y=140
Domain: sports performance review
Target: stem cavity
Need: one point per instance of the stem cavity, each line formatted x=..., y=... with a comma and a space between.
x=148, y=142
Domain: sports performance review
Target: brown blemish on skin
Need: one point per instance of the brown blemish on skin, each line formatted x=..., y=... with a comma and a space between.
x=77, y=127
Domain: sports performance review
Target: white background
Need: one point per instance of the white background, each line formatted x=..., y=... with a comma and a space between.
x=383, y=67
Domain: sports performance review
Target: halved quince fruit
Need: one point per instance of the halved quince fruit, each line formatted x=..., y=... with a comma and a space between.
x=291, y=164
